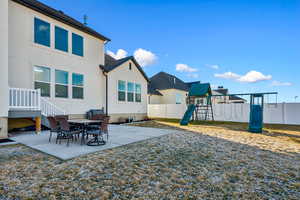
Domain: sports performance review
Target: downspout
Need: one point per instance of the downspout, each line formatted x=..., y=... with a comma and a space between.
x=106, y=88
x=106, y=93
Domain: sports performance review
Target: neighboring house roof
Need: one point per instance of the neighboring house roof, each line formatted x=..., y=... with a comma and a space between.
x=191, y=83
x=214, y=92
x=222, y=91
x=60, y=16
x=163, y=81
x=111, y=64
x=236, y=98
x=153, y=91
x=200, y=90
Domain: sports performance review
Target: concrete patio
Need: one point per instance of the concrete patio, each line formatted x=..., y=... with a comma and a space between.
x=118, y=135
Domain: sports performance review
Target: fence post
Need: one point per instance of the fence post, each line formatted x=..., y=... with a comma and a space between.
x=283, y=113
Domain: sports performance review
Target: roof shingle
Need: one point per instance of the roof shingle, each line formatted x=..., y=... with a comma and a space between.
x=163, y=81
x=111, y=64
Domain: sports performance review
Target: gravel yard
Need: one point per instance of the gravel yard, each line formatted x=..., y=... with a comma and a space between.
x=208, y=163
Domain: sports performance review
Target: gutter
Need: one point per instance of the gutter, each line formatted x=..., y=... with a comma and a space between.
x=106, y=92
x=105, y=73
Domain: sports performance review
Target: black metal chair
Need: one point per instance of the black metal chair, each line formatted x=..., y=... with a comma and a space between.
x=67, y=132
x=104, y=126
x=54, y=127
x=98, y=133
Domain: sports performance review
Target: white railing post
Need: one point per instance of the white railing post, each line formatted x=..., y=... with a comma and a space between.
x=39, y=99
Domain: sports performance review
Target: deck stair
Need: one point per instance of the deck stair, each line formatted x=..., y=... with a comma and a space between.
x=28, y=103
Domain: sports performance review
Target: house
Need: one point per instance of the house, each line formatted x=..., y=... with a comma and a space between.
x=226, y=99
x=52, y=64
x=126, y=88
x=165, y=88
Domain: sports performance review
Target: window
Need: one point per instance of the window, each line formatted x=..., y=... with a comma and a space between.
x=41, y=32
x=130, y=67
x=61, y=84
x=77, y=44
x=130, y=92
x=42, y=80
x=178, y=98
x=61, y=39
x=77, y=89
x=121, y=90
x=138, y=93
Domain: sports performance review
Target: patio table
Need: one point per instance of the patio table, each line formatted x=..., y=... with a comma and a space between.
x=83, y=123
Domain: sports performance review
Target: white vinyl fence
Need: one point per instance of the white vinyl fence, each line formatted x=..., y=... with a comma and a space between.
x=281, y=113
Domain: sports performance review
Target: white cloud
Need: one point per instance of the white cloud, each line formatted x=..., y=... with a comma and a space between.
x=214, y=66
x=121, y=53
x=228, y=75
x=213, y=86
x=193, y=75
x=144, y=57
x=185, y=68
x=250, y=77
x=278, y=83
x=254, y=76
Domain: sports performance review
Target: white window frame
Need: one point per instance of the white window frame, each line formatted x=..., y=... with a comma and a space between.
x=50, y=82
x=68, y=92
x=133, y=92
x=125, y=100
x=78, y=86
x=137, y=93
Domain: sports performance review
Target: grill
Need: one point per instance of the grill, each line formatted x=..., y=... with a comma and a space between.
x=94, y=112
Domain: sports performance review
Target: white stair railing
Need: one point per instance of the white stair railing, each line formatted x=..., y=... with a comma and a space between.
x=49, y=109
x=25, y=99
x=29, y=99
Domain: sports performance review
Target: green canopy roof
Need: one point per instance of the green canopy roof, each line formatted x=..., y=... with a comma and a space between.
x=200, y=90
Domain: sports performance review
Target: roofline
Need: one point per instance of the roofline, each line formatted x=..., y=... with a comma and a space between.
x=55, y=16
x=173, y=89
x=149, y=93
x=125, y=60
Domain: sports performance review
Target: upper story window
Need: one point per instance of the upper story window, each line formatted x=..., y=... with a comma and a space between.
x=77, y=86
x=130, y=92
x=178, y=98
x=121, y=90
x=61, y=83
x=42, y=79
x=41, y=32
x=61, y=39
x=77, y=44
x=138, y=93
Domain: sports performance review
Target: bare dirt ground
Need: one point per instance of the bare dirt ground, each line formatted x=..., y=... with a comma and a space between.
x=210, y=161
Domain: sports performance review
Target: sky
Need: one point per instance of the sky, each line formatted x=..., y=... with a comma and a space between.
x=245, y=46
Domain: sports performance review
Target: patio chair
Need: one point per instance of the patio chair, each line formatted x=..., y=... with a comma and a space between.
x=98, y=117
x=57, y=117
x=67, y=131
x=98, y=137
x=54, y=127
x=104, y=126
x=95, y=126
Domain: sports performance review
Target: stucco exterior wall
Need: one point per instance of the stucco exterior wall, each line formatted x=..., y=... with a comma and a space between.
x=24, y=54
x=123, y=73
x=4, y=58
x=169, y=96
x=3, y=67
